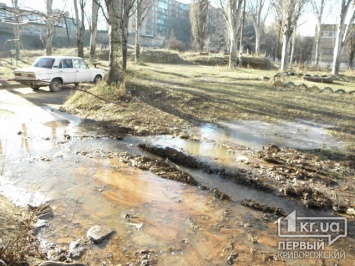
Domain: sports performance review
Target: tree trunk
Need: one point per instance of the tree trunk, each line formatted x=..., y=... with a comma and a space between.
x=277, y=43
x=342, y=31
x=232, y=17
x=138, y=28
x=233, y=53
x=80, y=28
x=337, y=51
x=49, y=28
x=351, y=59
x=125, y=21
x=17, y=34
x=17, y=40
x=319, y=33
x=115, y=75
x=257, y=41
x=317, y=48
x=293, y=47
x=95, y=14
x=284, y=54
x=240, y=63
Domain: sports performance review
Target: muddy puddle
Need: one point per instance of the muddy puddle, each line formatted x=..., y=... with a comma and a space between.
x=53, y=160
x=227, y=143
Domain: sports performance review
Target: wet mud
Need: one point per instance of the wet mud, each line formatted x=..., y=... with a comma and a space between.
x=221, y=211
x=283, y=172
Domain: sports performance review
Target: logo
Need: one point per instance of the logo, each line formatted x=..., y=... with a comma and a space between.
x=331, y=228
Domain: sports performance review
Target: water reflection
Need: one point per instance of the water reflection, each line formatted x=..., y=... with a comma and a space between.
x=182, y=224
x=24, y=142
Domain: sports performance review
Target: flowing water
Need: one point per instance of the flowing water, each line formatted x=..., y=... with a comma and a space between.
x=49, y=157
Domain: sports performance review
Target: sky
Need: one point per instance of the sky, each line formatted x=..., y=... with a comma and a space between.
x=307, y=21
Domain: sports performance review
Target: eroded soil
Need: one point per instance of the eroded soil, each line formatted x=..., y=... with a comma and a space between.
x=105, y=177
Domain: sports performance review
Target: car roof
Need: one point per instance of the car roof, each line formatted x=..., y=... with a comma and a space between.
x=60, y=57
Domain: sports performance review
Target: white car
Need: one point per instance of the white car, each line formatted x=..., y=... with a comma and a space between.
x=54, y=71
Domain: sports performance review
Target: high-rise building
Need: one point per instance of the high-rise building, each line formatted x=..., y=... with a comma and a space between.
x=161, y=18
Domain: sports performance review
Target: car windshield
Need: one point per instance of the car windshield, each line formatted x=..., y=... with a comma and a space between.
x=43, y=62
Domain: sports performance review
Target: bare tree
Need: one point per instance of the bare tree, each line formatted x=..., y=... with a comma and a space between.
x=142, y=9
x=80, y=25
x=93, y=28
x=240, y=59
x=231, y=10
x=291, y=11
x=115, y=22
x=351, y=50
x=49, y=4
x=126, y=8
x=198, y=19
x=318, y=9
x=258, y=11
x=347, y=8
x=17, y=32
x=139, y=11
x=293, y=44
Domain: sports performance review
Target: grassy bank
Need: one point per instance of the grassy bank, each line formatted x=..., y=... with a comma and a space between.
x=161, y=97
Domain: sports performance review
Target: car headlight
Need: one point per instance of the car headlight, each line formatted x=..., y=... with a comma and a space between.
x=31, y=75
x=17, y=74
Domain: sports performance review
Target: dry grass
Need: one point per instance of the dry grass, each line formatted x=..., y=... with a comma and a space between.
x=198, y=94
x=16, y=241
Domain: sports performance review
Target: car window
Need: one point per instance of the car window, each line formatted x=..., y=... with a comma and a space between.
x=44, y=62
x=79, y=63
x=66, y=63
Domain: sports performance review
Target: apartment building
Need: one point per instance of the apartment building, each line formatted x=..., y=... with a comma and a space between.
x=162, y=17
x=326, y=47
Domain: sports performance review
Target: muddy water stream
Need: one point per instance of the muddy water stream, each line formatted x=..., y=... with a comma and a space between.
x=53, y=159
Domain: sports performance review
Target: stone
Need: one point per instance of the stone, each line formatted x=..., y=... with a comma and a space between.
x=184, y=135
x=243, y=159
x=350, y=211
x=40, y=224
x=97, y=233
x=76, y=249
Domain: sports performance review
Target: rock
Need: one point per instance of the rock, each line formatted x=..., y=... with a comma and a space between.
x=184, y=135
x=350, y=211
x=231, y=258
x=40, y=224
x=290, y=84
x=278, y=83
x=218, y=194
x=97, y=233
x=273, y=148
x=76, y=249
x=242, y=159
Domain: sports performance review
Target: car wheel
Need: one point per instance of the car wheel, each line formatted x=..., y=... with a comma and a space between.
x=97, y=79
x=35, y=88
x=56, y=85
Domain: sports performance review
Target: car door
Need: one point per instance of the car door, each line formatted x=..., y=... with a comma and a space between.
x=82, y=72
x=66, y=70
